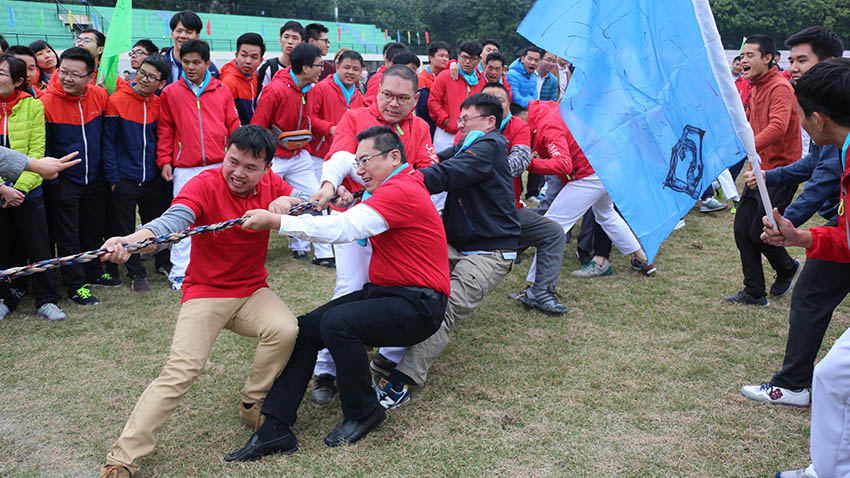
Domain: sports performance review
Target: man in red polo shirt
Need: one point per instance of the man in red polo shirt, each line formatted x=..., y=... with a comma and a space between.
x=402, y=305
x=225, y=288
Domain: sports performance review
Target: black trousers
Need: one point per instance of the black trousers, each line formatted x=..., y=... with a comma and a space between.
x=533, y=185
x=77, y=217
x=374, y=316
x=748, y=229
x=25, y=227
x=822, y=285
x=152, y=199
x=592, y=240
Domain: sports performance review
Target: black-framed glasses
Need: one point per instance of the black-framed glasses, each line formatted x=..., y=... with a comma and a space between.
x=70, y=74
x=139, y=52
x=142, y=76
x=363, y=161
x=465, y=119
x=402, y=99
x=79, y=40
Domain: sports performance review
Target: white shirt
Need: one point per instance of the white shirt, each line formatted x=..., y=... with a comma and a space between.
x=359, y=222
x=540, y=80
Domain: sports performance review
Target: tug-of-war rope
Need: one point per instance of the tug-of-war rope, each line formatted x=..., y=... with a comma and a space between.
x=89, y=256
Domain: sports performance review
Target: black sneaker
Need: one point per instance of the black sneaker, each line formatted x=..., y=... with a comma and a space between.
x=328, y=262
x=382, y=365
x=300, y=255
x=140, y=284
x=782, y=284
x=744, y=297
x=106, y=280
x=83, y=296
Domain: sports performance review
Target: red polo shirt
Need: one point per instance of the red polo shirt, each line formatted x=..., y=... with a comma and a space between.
x=229, y=263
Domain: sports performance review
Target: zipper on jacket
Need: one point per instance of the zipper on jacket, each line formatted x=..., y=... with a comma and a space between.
x=6, y=141
x=144, y=137
x=85, y=141
x=201, y=126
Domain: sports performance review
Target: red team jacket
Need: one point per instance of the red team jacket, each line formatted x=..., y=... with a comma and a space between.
x=281, y=103
x=551, y=139
x=194, y=130
x=373, y=85
x=243, y=88
x=446, y=97
x=328, y=108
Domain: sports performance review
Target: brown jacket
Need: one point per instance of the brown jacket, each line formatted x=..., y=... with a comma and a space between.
x=773, y=117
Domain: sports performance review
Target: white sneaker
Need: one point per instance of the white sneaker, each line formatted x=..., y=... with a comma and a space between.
x=679, y=225
x=791, y=474
x=50, y=311
x=4, y=310
x=778, y=395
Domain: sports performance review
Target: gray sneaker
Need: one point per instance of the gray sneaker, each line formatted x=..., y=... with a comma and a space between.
x=712, y=205
x=592, y=269
x=543, y=301
x=4, y=310
x=51, y=311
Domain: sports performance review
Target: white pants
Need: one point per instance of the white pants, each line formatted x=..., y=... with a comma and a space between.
x=299, y=173
x=574, y=200
x=181, y=251
x=830, y=431
x=352, y=272
x=318, y=164
x=443, y=139
x=727, y=185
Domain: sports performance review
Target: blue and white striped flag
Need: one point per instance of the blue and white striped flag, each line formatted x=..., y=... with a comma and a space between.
x=651, y=102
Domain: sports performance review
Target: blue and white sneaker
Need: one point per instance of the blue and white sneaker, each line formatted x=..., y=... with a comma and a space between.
x=388, y=397
x=177, y=283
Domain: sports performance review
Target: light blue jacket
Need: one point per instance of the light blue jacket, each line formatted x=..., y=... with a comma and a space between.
x=524, y=85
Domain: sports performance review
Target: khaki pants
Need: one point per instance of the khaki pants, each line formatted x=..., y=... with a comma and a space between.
x=473, y=278
x=261, y=315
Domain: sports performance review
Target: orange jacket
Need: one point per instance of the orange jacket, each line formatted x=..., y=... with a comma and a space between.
x=773, y=116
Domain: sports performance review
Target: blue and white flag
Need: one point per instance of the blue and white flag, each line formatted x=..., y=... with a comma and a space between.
x=651, y=102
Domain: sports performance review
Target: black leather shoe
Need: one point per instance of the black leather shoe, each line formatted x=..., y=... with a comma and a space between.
x=324, y=389
x=350, y=431
x=255, y=448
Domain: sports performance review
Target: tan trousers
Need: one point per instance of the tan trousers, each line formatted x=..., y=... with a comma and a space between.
x=261, y=315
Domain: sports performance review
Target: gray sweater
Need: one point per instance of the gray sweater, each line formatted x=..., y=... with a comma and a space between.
x=12, y=164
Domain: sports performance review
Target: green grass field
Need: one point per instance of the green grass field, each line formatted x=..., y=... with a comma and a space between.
x=641, y=378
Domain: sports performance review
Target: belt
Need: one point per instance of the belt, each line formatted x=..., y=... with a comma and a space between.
x=429, y=293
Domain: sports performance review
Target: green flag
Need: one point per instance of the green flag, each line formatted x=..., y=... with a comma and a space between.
x=41, y=19
x=145, y=23
x=119, y=39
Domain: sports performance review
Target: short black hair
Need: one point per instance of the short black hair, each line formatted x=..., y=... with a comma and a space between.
x=737, y=58
x=394, y=50
x=4, y=45
x=402, y=72
x=99, y=36
x=254, y=139
x=294, y=26
x=825, y=43
x=17, y=70
x=385, y=139
x=406, y=58
x=160, y=63
x=490, y=41
x=766, y=46
x=496, y=56
x=516, y=109
x=20, y=50
x=391, y=44
x=436, y=46
x=148, y=45
x=500, y=86
x=189, y=19
x=251, y=39
x=350, y=55
x=200, y=47
x=80, y=54
x=304, y=55
x=486, y=104
x=526, y=50
x=825, y=88
x=473, y=48
x=314, y=31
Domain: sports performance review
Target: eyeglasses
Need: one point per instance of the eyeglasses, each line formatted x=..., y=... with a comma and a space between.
x=71, y=75
x=134, y=53
x=465, y=57
x=362, y=162
x=319, y=65
x=79, y=40
x=142, y=76
x=402, y=99
x=466, y=119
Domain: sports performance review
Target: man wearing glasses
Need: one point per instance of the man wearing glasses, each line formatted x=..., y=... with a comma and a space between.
x=129, y=161
x=447, y=94
x=92, y=41
x=286, y=105
x=317, y=34
x=73, y=111
x=402, y=304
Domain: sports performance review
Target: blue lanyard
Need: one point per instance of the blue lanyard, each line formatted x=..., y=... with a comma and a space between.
x=844, y=151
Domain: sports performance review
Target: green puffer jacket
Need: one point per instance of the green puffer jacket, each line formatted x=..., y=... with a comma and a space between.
x=25, y=131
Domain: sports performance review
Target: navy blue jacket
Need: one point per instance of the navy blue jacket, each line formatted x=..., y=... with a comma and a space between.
x=822, y=169
x=129, y=136
x=480, y=213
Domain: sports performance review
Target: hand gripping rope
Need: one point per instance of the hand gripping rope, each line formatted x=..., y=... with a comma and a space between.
x=89, y=256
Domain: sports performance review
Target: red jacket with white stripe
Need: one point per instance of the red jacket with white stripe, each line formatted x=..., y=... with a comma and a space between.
x=328, y=107
x=194, y=130
x=243, y=88
x=552, y=140
x=446, y=97
x=281, y=104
